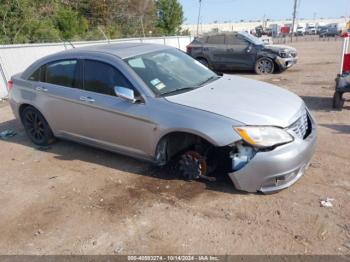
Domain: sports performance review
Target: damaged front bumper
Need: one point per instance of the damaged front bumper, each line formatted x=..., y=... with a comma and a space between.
x=285, y=63
x=272, y=171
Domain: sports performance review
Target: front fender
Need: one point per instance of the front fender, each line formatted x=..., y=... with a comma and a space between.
x=270, y=55
x=219, y=135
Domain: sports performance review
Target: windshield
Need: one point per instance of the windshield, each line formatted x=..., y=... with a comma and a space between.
x=170, y=71
x=252, y=38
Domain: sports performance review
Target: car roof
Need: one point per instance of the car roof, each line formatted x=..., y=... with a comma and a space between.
x=220, y=33
x=122, y=50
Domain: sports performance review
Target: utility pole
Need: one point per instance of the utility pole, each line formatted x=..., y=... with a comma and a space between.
x=294, y=17
x=199, y=16
x=142, y=12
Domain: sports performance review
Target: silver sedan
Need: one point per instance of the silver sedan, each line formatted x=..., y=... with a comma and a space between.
x=158, y=104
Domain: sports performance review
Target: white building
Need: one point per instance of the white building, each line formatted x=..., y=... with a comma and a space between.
x=247, y=26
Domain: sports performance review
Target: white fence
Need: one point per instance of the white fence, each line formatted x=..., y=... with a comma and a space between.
x=16, y=58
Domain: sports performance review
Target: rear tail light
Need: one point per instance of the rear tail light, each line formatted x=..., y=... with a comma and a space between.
x=188, y=49
x=9, y=85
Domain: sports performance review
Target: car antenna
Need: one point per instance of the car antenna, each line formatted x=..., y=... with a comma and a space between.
x=71, y=43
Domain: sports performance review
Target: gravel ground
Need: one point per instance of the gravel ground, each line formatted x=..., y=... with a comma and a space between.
x=72, y=199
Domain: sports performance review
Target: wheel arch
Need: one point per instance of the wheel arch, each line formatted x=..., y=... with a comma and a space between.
x=266, y=55
x=175, y=141
x=21, y=109
x=202, y=57
x=24, y=106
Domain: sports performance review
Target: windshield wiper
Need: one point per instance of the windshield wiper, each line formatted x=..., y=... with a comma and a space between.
x=184, y=89
x=210, y=79
x=179, y=90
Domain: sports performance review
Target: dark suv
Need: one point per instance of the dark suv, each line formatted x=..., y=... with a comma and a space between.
x=329, y=31
x=241, y=51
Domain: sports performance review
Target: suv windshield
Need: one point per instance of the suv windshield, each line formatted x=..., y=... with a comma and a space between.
x=170, y=71
x=252, y=38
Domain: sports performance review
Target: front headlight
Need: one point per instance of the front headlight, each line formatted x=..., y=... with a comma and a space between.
x=264, y=136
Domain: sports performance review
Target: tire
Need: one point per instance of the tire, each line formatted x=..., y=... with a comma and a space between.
x=204, y=62
x=264, y=66
x=36, y=127
x=338, y=101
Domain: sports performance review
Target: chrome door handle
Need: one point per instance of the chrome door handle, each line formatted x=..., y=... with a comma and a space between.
x=39, y=88
x=87, y=99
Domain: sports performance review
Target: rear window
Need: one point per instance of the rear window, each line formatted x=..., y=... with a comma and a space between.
x=203, y=39
x=61, y=73
x=35, y=76
x=235, y=40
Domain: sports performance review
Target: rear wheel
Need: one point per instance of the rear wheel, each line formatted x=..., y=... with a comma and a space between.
x=203, y=61
x=36, y=127
x=264, y=66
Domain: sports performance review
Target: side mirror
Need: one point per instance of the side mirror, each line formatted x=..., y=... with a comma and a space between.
x=125, y=93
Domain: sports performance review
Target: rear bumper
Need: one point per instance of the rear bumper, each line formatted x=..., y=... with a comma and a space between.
x=14, y=105
x=272, y=171
x=285, y=63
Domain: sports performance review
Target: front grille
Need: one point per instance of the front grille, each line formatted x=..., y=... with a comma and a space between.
x=302, y=126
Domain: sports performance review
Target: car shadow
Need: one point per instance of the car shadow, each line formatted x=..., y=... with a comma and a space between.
x=69, y=151
x=238, y=72
x=339, y=128
x=251, y=72
x=316, y=103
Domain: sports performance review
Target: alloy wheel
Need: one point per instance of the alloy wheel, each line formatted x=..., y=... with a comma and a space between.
x=36, y=127
x=264, y=66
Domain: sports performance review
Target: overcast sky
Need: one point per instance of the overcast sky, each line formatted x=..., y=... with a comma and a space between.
x=235, y=10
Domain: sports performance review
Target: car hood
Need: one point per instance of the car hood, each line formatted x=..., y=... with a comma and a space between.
x=277, y=48
x=247, y=101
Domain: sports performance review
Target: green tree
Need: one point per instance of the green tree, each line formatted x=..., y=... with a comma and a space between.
x=30, y=21
x=13, y=20
x=42, y=31
x=169, y=16
x=70, y=23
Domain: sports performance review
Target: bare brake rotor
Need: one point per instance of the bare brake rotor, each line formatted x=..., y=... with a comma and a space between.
x=194, y=166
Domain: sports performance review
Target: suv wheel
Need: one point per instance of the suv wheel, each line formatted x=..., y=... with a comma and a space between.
x=36, y=127
x=264, y=66
x=338, y=101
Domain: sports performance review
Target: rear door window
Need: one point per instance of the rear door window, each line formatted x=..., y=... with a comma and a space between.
x=100, y=77
x=61, y=73
x=216, y=40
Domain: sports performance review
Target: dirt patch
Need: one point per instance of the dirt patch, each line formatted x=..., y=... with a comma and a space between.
x=124, y=200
